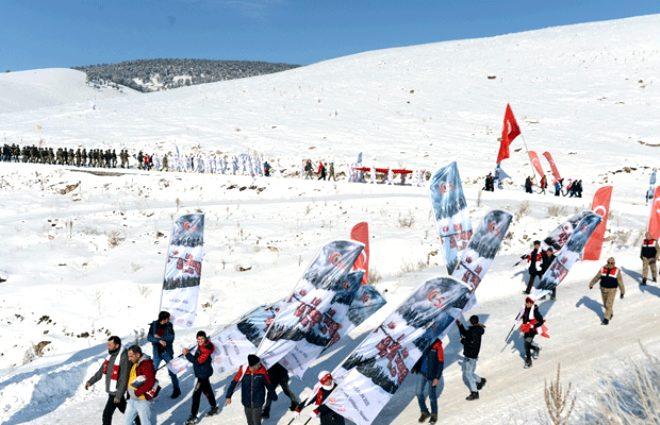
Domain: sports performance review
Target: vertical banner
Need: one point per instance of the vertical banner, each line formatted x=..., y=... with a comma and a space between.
x=567, y=256
x=360, y=233
x=600, y=206
x=183, y=270
x=451, y=216
x=483, y=246
x=553, y=166
x=310, y=302
x=373, y=372
x=654, y=217
x=536, y=163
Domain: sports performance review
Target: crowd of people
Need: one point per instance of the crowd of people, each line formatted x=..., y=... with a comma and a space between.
x=572, y=189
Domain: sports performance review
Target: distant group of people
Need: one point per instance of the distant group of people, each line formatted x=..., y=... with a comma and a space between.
x=573, y=188
x=322, y=172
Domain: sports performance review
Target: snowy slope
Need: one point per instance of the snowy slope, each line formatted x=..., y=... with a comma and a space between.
x=43, y=88
x=88, y=263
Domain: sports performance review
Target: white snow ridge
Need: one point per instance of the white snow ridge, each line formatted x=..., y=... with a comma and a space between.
x=86, y=264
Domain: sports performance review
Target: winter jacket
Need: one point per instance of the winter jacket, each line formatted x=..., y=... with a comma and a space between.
x=326, y=415
x=471, y=340
x=531, y=324
x=254, y=386
x=534, y=258
x=609, y=278
x=114, y=369
x=154, y=338
x=202, y=361
x=142, y=383
x=432, y=362
x=546, y=260
x=649, y=249
x=278, y=375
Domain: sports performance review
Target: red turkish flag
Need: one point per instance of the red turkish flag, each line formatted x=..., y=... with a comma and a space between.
x=360, y=233
x=654, y=218
x=510, y=130
x=601, y=206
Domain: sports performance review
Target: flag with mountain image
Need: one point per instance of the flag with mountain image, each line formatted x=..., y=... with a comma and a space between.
x=374, y=371
x=480, y=252
x=450, y=210
x=568, y=255
x=307, y=310
x=183, y=270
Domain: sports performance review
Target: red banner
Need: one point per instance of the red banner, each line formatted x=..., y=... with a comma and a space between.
x=600, y=206
x=654, y=218
x=360, y=233
x=553, y=166
x=536, y=163
x=510, y=130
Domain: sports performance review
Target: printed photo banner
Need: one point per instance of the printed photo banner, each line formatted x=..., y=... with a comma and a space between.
x=484, y=244
x=183, y=270
x=310, y=301
x=374, y=371
x=450, y=209
x=567, y=256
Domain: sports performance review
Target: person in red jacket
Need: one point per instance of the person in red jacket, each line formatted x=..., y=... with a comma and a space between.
x=203, y=368
x=142, y=387
x=322, y=390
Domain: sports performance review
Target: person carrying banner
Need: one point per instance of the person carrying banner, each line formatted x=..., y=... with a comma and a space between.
x=255, y=383
x=547, y=257
x=535, y=259
x=430, y=367
x=531, y=321
x=142, y=388
x=327, y=416
x=649, y=256
x=471, y=340
x=161, y=337
x=115, y=368
x=279, y=376
x=610, y=279
x=203, y=369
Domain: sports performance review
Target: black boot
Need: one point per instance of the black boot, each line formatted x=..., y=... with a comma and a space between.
x=214, y=411
x=474, y=395
x=481, y=384
x=423, y=417
x=605, y=322
x=191, y=420
x=176, y=393
x=528, y=363
x=643, y=281
x=434, y=418
x=266, y=413
x=293, y=406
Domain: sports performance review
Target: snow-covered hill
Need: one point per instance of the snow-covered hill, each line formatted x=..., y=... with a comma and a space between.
x=88, y=263
x=44, y=88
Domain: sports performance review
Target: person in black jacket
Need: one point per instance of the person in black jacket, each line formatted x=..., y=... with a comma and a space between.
x=471, y=340
x=528, y=185
x=203, y=368
x=547, y=257
x=531, y=321
x=255, y=383
x=280, y=376
x=430, y=367
x=115, y=369
x=535, y=259
x=161, y=337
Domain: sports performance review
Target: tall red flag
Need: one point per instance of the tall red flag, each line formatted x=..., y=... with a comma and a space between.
x=510, y=130
x=553, y=166
x=360, y=233
x=654, y=218
x=536, y=162
x=601, y=206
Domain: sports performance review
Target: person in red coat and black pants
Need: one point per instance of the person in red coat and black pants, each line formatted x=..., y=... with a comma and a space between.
x=531, y=321
x=203, y=368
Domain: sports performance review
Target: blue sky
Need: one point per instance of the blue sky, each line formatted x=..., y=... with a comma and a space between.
x=63, y=33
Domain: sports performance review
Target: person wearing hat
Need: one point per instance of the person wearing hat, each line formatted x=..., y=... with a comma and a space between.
x=471, y=340
x=203, y=369
x=323, y=388
x=430, y=367
x=531, y=321
x=610, y=279
x=255, y=384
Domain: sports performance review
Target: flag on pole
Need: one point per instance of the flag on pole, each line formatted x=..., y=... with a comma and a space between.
x=600, y=206
x=654, y=218
x=510, y=130
x=360, y=233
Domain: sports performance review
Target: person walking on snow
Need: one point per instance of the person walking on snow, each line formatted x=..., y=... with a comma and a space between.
x=610, y=279
x=323, y=388
x=321, y=171
x=255, y=383
x=471, y=340
x=142, y=386
x=547, y=257
x=528, y=185
x=280, y=376
x=649, y=256
x=115, y=369
x=430, y=367
x=531, y=321
x=544, y=184
x=535, y=260
x=203, y=369
x=161, y=337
